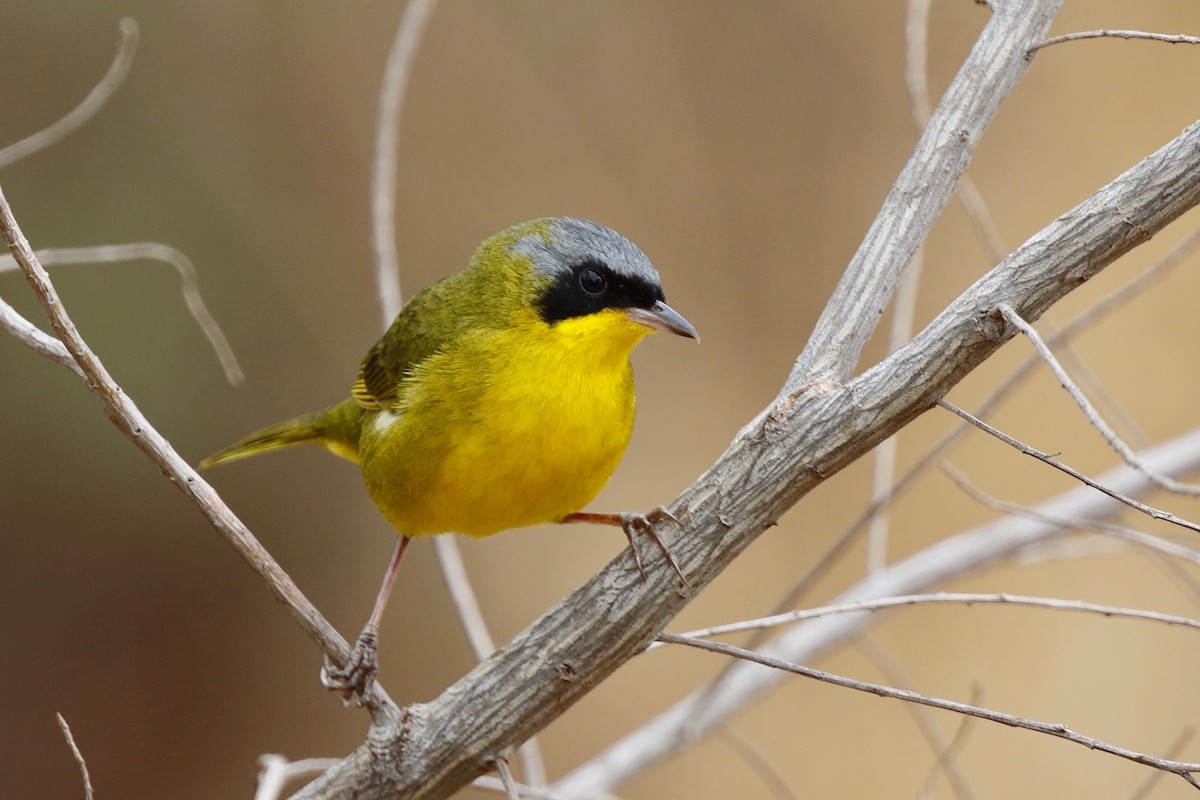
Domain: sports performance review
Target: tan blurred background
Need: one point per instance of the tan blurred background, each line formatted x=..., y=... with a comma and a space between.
x=746, y=148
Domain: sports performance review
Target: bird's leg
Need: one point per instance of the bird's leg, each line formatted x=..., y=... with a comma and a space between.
x=632, y=524
x=357, y=675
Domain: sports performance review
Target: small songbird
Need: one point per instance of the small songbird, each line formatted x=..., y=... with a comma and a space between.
x=500, y=397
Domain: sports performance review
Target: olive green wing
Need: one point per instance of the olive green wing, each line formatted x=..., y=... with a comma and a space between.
x=427, y=324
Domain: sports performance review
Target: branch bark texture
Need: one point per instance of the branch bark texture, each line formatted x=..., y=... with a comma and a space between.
x=995, y=65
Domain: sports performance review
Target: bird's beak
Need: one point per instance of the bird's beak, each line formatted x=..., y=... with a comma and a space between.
x=664, y=318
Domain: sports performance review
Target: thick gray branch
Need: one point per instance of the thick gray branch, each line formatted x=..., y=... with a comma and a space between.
x=995, y=65
x=807, y=435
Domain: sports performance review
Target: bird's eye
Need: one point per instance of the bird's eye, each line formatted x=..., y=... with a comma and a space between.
x=592, y=281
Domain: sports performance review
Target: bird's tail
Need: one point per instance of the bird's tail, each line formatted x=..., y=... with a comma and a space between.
x=336, y=429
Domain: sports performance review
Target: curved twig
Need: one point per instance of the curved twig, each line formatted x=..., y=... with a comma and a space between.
x=152, y=251
x=86, y=109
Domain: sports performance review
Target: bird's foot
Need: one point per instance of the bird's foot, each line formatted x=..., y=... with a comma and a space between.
x=357, y=675
x=634, y=524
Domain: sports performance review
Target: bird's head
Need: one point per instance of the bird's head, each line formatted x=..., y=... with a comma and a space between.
x=586, y=277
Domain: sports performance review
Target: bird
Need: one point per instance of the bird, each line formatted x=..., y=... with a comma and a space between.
x=500, y=397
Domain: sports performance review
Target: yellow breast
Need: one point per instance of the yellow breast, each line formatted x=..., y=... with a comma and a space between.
x=511, y=428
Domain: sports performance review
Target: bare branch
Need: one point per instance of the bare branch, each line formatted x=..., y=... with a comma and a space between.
x=1094, y=313
x=88, y=794
x=1067, y=522
x=454, y=572
x=506, y=778
x=995, y=65
x=938, y=598
x=153, y=251
x=387, y=142
x=689, y=719
x=1046, y=458
x=1097, y=422
x=916, y=34
x=86, y=109
x=916, y=56
x=1110, y=302
x=1181, y=768
x=35, y=339
x=1104, y=33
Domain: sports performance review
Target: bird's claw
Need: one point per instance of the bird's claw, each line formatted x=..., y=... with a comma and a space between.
x=633, y=524
x=357, y=675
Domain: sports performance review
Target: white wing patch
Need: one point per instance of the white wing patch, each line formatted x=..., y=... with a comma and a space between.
x=383, y=420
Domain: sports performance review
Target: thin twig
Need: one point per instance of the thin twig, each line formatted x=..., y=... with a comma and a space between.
x=939, y=598
x=1068, y=522
x=152, y=251
x=1125, y=451
x=506, y=778
x=35, y=338
x=758, y=762
x=90, y=105
x=387, y=141
x=916, y=56
x=88, y=794
x=1046, y=458
x=1105, y=33
x=470, y=615
x=275, y=772
x=1180, y=768
x=904, y=306
x=1090, y=384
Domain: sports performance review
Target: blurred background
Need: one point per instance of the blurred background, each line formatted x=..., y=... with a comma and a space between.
x=746, y=148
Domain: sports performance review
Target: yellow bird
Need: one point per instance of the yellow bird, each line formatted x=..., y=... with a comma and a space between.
x=500, y=397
